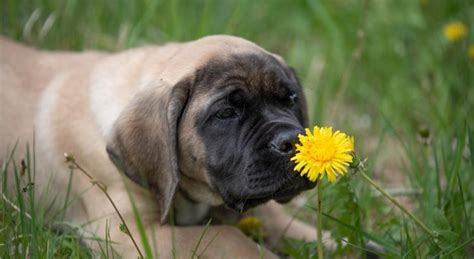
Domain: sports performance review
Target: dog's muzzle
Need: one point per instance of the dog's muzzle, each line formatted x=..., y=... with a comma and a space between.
x=273, y=177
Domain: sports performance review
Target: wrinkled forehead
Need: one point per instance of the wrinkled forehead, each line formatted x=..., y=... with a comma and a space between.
x=257, y=73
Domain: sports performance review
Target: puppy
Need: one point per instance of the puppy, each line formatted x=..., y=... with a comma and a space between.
x=191, y=126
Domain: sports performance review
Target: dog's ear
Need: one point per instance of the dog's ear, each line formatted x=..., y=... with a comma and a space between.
x=143, y=143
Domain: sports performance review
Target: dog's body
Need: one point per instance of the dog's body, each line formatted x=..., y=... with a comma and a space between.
x=147, y=110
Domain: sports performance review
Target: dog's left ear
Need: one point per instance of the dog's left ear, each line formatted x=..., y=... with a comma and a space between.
x=143, y=143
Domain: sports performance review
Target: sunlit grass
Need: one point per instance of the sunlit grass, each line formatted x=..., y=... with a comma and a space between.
x=407, y=96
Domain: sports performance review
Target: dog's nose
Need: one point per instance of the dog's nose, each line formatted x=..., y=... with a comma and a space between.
x=284, y=142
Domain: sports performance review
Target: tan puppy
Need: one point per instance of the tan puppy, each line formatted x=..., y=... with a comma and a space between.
x=193, y=126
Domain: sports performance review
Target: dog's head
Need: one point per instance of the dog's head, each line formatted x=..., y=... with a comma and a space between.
x=224, y=130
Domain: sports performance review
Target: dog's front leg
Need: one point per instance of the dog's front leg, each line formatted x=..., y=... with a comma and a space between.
x=186, y=242
x=278, y=224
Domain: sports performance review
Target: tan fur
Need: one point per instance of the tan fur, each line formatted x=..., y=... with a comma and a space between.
x=73, y=102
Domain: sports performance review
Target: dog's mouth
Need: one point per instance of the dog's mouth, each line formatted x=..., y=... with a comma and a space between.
x=282, y=194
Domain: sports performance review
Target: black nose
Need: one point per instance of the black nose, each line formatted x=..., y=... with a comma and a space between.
x=284, y=142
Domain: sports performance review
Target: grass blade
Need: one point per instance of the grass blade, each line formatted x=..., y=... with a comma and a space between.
x=200, y=238
x=387, y=246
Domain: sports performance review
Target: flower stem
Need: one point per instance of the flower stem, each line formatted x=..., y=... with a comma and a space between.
x=319, y=228
x=70, y=160
x=388, y=196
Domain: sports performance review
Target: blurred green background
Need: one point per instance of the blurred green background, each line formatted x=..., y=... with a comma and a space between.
x=381, y=70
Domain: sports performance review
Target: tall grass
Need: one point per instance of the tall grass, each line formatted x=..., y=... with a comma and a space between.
x=24, y=230
x=407, y=96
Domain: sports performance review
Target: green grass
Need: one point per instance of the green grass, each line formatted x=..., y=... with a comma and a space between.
x=408, y=100
x=23, y=228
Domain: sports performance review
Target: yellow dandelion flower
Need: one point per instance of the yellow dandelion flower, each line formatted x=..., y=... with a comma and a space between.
x=323, y=153
x=454, y=31
x=250, y=225
x=470, y=52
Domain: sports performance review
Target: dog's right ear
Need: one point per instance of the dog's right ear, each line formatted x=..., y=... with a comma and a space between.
x=143, y=143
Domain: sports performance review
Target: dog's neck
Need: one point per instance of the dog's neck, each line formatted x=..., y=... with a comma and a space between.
x=199, y=192
x=193, y=200
x=187, y=212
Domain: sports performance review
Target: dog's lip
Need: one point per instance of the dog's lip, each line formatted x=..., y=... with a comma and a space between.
x=286, y=197
x=243, y=205
x=281, y=195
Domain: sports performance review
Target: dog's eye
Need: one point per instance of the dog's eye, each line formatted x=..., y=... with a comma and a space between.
x=226, y=113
